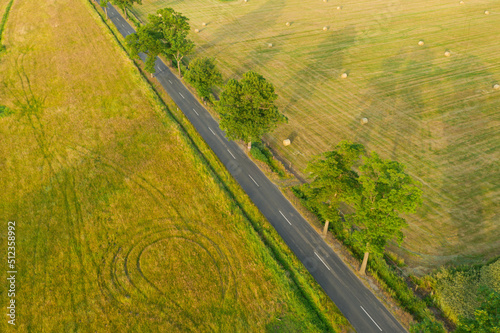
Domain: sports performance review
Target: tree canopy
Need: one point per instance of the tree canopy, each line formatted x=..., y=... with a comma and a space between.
x=165, y=34
x=202, y=75
x=379, y=192
x=125, y=4
x=247, y=108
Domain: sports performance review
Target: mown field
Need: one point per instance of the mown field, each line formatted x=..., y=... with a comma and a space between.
x=121, y=225
x=436, y=114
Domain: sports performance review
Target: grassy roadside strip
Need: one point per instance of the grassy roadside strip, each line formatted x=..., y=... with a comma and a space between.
x=4, y=21
x=384, y=273
x=314, y=297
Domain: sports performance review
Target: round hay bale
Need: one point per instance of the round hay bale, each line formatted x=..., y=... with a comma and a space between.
x=421, y=43
x=270, y=45
x=447, y=54
x=325, y=0
x=196, y=30
x=344, y=75
x=364, y=121
x=287, y=24
x=286, y=142
x=204, y=24
x=339, y=7
x=325, y=28
x=487, y=12
x=462, y=2
x=496, y=86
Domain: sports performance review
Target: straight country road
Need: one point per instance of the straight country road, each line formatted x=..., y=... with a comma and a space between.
x=356, y=302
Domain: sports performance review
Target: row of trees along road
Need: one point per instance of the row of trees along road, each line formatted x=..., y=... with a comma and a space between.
x=246, y=107
x=377, y=190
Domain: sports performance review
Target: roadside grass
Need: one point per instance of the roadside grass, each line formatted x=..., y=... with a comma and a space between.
x=122, y=224
x=435, y=114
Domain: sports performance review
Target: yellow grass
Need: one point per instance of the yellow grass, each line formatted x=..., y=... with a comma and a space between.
x=438, y=115
x=120, y=225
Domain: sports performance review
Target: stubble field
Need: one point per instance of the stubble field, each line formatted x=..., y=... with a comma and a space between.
x=437, y=114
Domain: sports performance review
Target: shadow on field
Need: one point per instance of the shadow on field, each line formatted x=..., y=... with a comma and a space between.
x=246, y=26
x=320, y=63
x=441, y=114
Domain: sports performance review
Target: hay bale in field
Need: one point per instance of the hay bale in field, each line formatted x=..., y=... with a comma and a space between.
x=286, y=142
x=462, y=2
x=325, y=28
x=447, y=54
x=364, y=121
x=270, y=45
x=196, y=30
x=204, y=24
x=496, y=86
x=344, y=75
x=325, y=0
x=421, y=43
x=487, y=12
x=287, y=24
x=339, y=7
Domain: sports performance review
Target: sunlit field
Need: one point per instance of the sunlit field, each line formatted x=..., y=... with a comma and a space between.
x=436, y=112
x=121, y=224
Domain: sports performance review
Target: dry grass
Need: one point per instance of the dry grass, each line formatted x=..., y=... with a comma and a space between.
x=121, y=227
x=436, y=114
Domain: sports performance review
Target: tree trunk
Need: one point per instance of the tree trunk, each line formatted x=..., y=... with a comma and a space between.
x=179, y=68
x=125, y=11
x=106, y=11
x=363, y=265
x=249, y=145
x=325, y=229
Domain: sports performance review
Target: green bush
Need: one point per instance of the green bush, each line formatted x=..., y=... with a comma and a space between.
x=5, y=111
x=261, y=153
x=457, y=288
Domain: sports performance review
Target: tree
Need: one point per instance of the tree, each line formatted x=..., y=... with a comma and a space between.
x=247, y=108
x=126, y=4
x=379, y=193
x=385, y=191
x=104, y=5
x=486, y=317
x=202, y=75
x=333, y=178
x=165, y=34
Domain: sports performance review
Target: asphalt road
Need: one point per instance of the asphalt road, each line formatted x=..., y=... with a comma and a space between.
x=363, y=310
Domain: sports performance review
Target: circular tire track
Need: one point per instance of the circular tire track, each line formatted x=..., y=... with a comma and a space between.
x=128, y=288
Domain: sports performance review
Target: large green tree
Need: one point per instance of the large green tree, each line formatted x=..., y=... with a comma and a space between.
x=164, y=34
x=378, y=193
x=125, y=4
x=247, y=108
x=334, y=179
x=202, y=75
x=385, y=192
x=104, y=5
x=486, y=317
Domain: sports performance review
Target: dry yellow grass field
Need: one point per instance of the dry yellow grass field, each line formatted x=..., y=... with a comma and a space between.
x=436, y=114
x=121, y=225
